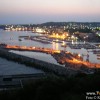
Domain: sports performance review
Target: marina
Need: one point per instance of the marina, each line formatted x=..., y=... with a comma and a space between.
x=79, y=47
x=43, y=55
x=47, y=51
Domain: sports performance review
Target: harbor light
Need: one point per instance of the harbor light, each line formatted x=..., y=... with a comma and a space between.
x=72, y=36
x=67, y=34
x=79, y=55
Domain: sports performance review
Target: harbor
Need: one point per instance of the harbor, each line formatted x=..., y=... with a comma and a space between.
x=76, y=54
x=61, y=57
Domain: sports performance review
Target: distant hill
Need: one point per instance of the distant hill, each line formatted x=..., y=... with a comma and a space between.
x=55, y=23
x=94, y=24
x=69, y=23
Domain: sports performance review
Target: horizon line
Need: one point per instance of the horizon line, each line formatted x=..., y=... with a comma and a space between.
x=53, y=22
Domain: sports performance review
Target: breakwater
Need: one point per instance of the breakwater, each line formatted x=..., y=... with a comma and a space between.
x=32, y=62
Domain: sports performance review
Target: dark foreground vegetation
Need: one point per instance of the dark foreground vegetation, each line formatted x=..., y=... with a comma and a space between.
x=55, y=88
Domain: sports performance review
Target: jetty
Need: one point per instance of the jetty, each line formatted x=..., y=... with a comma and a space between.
x=61, y=57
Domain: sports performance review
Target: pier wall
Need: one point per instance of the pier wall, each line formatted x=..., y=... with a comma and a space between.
x=45, y=66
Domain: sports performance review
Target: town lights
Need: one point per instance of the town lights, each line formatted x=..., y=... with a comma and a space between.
x=72, y=36
x=79, y=55
x=67, y=34
x=57, y=35
x=63, y=35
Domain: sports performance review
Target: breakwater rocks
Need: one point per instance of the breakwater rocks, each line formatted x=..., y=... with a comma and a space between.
x=45, y=66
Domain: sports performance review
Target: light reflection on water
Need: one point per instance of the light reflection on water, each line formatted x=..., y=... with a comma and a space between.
x=55, y=46
x=11, y=37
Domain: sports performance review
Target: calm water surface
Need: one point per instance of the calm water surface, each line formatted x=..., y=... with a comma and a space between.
x=12, y=68
x=11, y=37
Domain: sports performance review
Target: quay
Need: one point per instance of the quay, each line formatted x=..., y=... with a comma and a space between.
x=42, y=39
x=35, y=49
x=61, y=57
x=32, y=62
